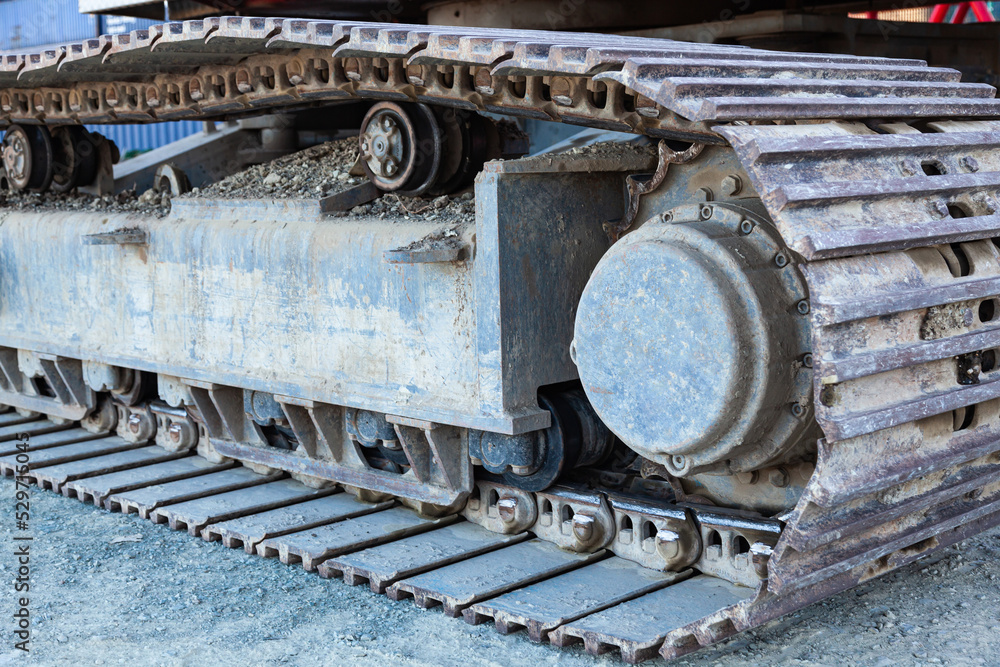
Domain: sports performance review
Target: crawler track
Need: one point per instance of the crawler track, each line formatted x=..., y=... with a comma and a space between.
x=888, y=195
x=515, y=580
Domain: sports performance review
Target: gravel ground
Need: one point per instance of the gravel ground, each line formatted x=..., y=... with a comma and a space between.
x=328, y=169
x=318, y=171
x=170, y=599
x=149, y=202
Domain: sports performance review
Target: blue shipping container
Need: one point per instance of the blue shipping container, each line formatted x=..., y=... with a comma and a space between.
x=26, y=24
x=118, y=25
x=130, y=138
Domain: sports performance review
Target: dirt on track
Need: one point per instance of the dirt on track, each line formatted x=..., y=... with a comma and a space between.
x=171, y=599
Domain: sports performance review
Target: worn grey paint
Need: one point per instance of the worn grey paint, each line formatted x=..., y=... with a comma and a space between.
x=291, y=302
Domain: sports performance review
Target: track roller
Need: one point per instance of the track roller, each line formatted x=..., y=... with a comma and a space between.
x=534, y=461
x=28, y=157
x=414, y=149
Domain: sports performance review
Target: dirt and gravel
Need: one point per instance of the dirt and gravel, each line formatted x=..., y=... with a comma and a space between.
x=109, y=589
x=149, y=202
x=313, y=173
x=325, y=170
x=317, y=171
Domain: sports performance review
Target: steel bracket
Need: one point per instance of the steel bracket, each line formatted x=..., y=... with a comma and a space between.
x=439, y=473
x=72, y=399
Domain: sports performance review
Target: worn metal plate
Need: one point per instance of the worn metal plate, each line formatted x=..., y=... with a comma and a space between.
x=383, y=565
x=14, y=431
x=11, y=418
x=312, y=547
x=249, y=531
x=53, y=477
x=193, y=515
x=460, y=585
x=97, y=489
x=637, y=627
x=62, y=454
x=145, y=500
x=51, y=439
x=544, y=606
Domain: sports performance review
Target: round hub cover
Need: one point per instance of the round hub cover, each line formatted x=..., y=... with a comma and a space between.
x=687, y=337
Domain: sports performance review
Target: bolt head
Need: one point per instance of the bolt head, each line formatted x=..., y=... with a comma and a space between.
x=483, y=77
x=803, y=307
x=732, y=185
x=778, y=478
x=389, y=168
x=507, y=509
x=780, y=260
x=970, y=163
x=668, y=544
x=584, y=527
x=746, y=227
x=760, y=554
x=909, y=167
x=134, y=422
x=175, y=432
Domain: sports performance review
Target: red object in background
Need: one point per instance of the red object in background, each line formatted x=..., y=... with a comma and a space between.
x=939, y=13
x=982, y=12
x=979, y=9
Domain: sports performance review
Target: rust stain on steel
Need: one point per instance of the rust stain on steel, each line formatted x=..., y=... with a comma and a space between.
x=638, y=188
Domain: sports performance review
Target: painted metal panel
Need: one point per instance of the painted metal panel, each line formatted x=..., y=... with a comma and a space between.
x=259, y=296
x=30, y=23
x=50, y=23
x=146, y=137
x=118, y=25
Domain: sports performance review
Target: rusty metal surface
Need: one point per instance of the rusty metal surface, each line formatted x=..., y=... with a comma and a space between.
x=543, y=607
x=144, y=500
x=457, y=586
x=188, y=70
x=55, y=476
x=383, y=565
x=97, y=489
x=194, y=515
x=312, y=547
x=892, y=223
x=76, y=451
x=249, y=531
x=637, y=627
x=47, y=439
x=606, y=602
x=896, y=226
